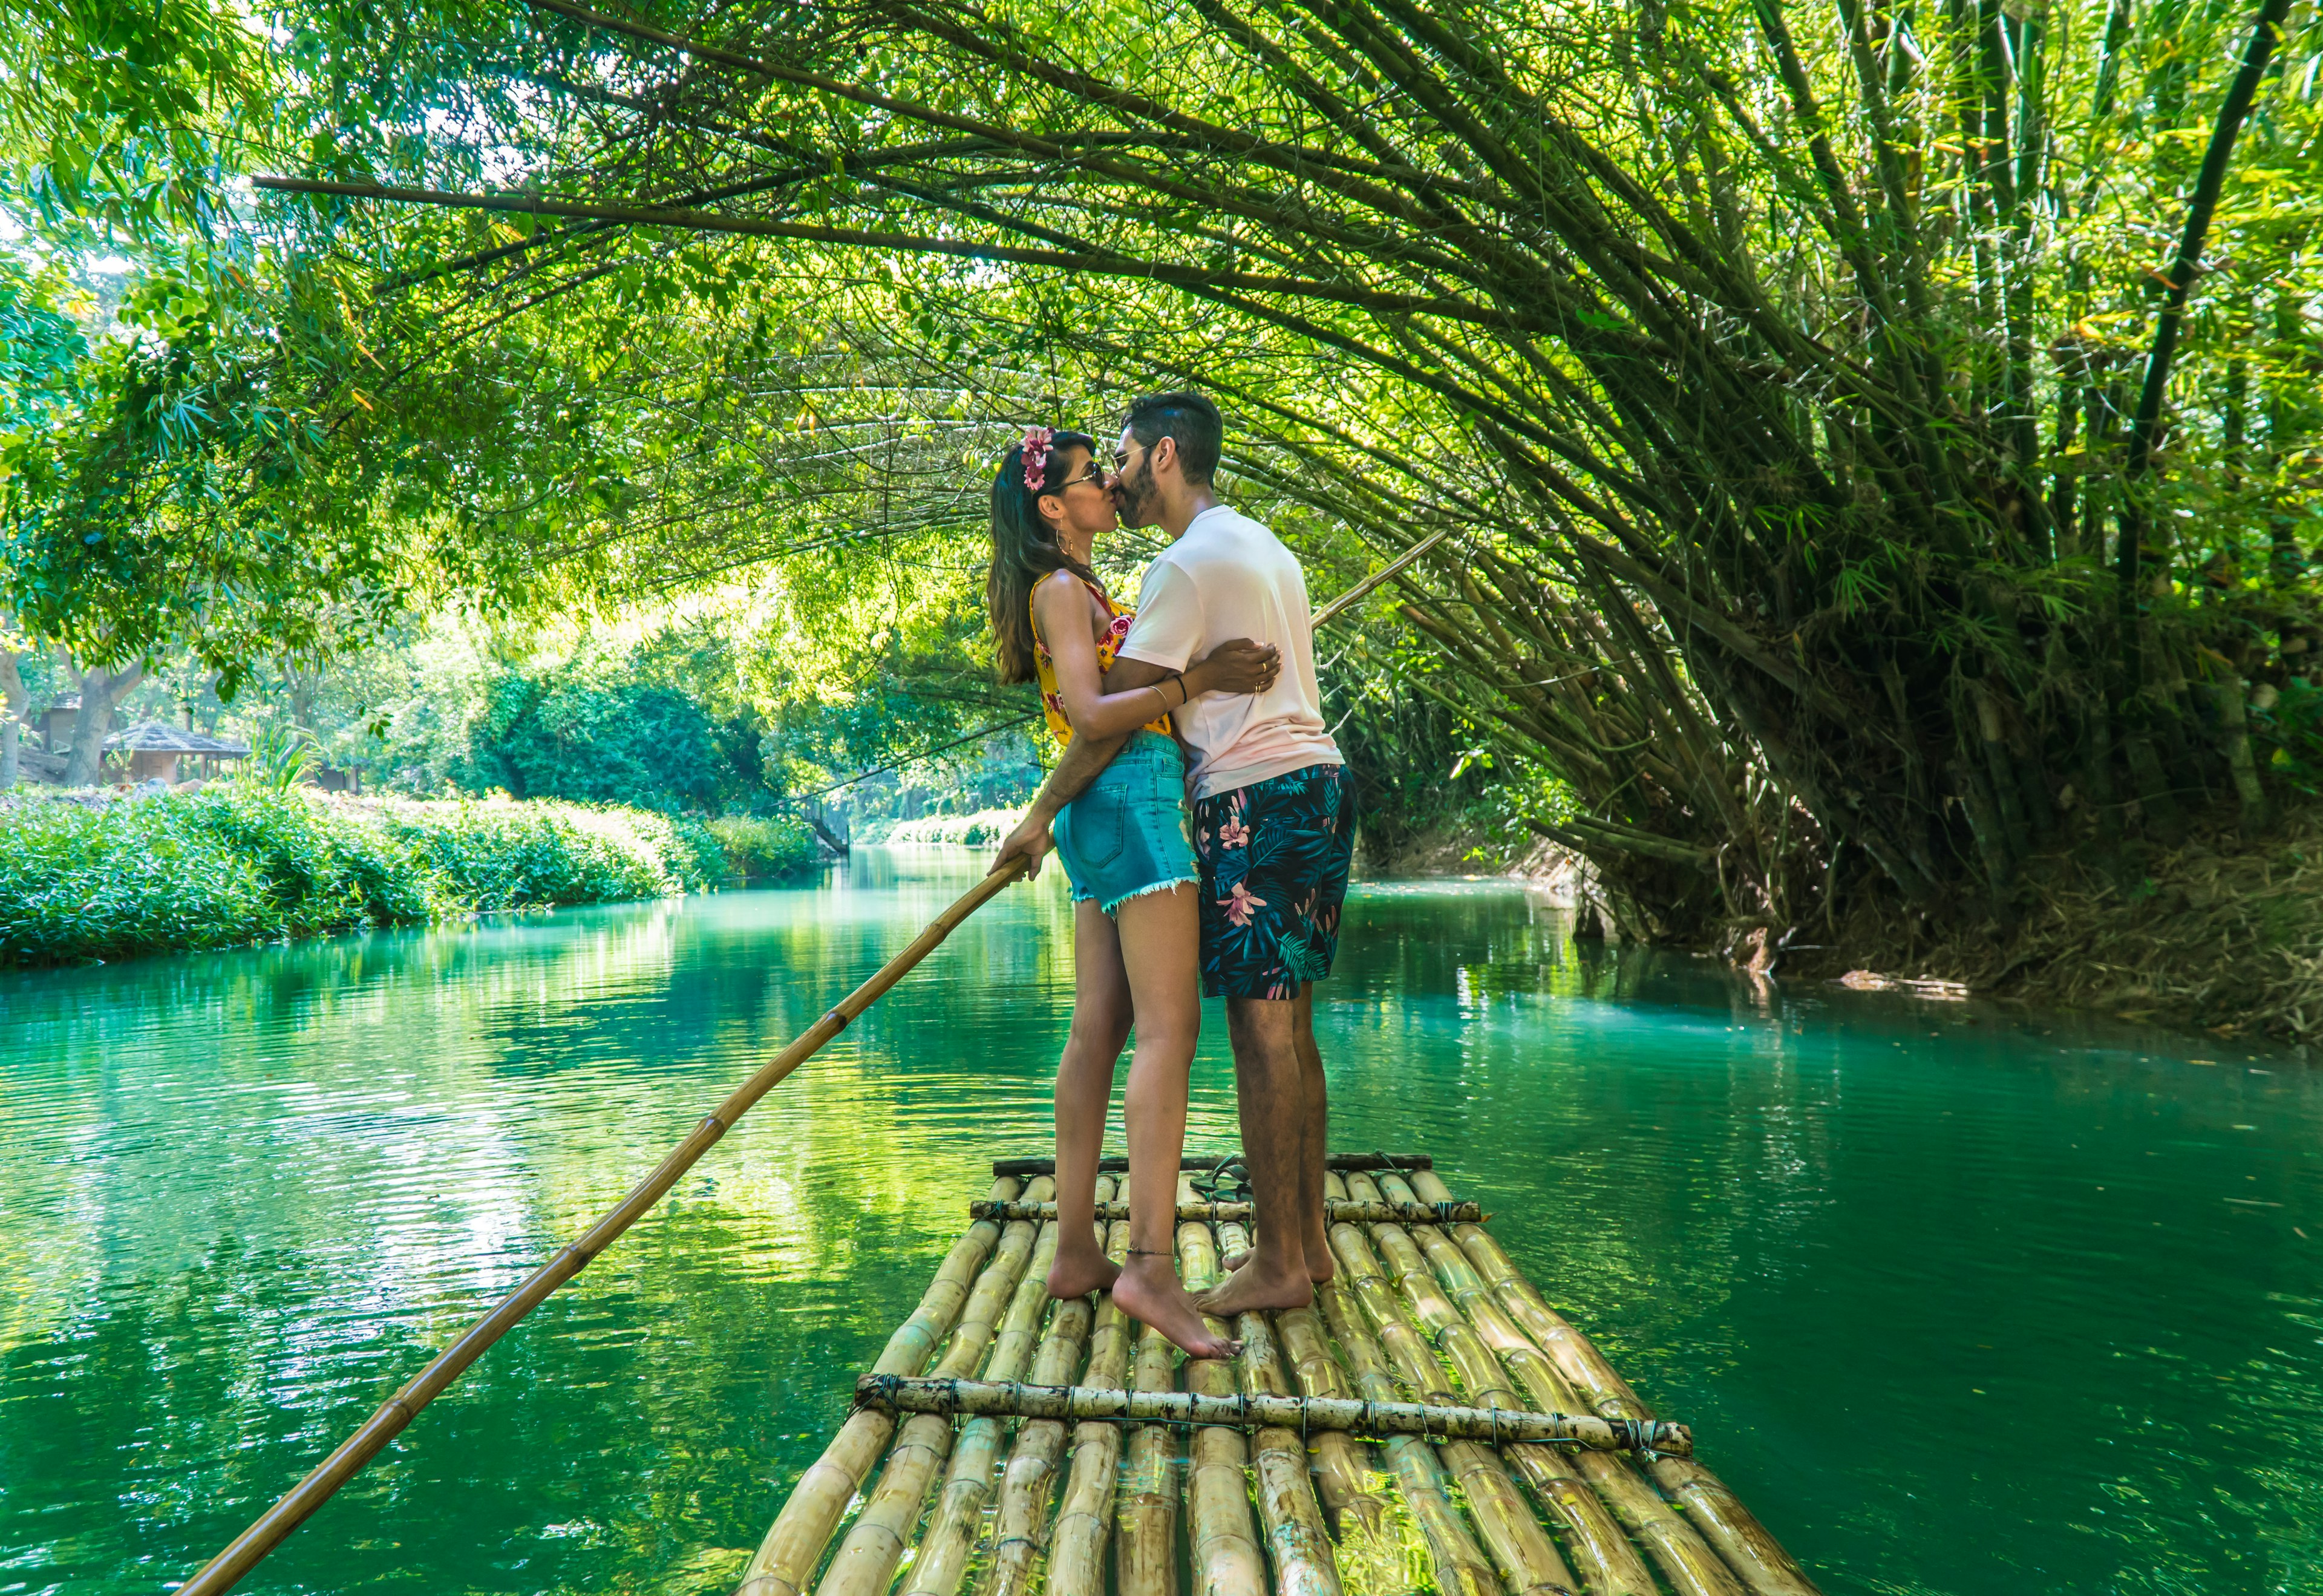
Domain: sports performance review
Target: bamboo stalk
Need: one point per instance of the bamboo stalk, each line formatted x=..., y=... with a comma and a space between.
x=952, y=1530
x=1750, y=1551
x=795, y=1543
x=1145, y=1543
x=1342, y=1467
x=1296, y=1533
x=867, y=1558
x=266, y=1532
x=1225, y=1213
x=1595, y=1497
x=1226, y=1561
x=1528, y=1562
x=1085, y=1516
x=1027, y=1488
x=1255, y=1410
x=1461, y=1569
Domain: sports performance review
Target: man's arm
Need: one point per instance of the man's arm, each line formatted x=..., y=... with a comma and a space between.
x=1084, y=758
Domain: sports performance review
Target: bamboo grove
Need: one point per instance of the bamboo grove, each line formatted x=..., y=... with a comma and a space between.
x=1875, y=439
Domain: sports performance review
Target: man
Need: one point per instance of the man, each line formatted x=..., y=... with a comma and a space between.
x=1274, y=819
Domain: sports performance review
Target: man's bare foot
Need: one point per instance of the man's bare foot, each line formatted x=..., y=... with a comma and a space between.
x=1319, y=1273
x=1249, y=1290
x=1155, y=1298
x=1080, y=1271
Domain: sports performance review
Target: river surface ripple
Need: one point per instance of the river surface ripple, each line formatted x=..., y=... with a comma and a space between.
x=1959, y=1300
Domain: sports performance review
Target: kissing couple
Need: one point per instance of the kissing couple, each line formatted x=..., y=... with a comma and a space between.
x=1206, y=693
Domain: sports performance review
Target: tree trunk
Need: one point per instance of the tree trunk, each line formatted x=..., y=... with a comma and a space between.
x=100, y=690
x=12, y=715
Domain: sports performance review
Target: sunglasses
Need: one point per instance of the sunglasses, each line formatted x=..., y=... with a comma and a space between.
x=1092, y=473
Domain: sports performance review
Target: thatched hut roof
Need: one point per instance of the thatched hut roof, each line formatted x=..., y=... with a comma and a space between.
x=159, y=736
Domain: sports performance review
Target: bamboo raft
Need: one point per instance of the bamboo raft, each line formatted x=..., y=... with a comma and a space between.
x=1003, y=1443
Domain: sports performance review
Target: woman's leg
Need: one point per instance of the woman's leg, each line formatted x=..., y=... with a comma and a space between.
x=1159, y=935
x=1101, y=1010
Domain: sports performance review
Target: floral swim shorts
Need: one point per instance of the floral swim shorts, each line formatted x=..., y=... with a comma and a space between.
x=1274, y=859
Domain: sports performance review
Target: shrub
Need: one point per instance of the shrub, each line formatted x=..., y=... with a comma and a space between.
x=753, y=846
x=242, y=863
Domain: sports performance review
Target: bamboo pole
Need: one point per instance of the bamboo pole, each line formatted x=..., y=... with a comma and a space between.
x=950, y=1537
x=1237, y=1213
x=795, y=1543
x=1595, y=1497
x=1257, y=1410
x=1114, y=1164
x=1027, y=1488
x=1750, y=1551
x=1343, y=1469
x=1528, y=1560
x=1085, y=1516
x=1461, y=1569
x=1145, y=1543
x=867, y=1558
x=1226, y=1561
x=1296, y=1532
x=269, y=1528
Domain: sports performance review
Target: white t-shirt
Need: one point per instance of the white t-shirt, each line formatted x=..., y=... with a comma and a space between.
x=1229, y=577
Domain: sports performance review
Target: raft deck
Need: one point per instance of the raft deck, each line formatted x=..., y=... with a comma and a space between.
x=1426, y=1312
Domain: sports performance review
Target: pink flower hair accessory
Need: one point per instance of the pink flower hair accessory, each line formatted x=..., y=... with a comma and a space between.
x=1036, y=456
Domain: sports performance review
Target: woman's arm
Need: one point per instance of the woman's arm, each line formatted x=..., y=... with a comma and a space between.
x=1067, y=615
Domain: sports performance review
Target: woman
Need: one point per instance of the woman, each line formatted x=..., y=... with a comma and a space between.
x=1127, y=850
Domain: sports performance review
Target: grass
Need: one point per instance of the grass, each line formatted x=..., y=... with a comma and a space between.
x=240, y=864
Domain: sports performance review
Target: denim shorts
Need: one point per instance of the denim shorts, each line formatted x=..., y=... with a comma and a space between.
x=1127, y=833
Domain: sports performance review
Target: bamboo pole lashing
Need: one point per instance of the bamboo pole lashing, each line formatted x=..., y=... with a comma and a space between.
x=1528, y=1560
x=868, y=1555
x=1028, y=1482
x=949, y=1539
x=1461, y=1566
x=1600, y=1501
x=1374, y=1213
x=269, y=1528
x=1305, y=1562
x=1750, y=1551
x=1093, y=1471
x=795, y=1543
x=1225, y=1556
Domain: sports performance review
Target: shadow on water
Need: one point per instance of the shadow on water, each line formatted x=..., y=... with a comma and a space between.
x=1961, y=1299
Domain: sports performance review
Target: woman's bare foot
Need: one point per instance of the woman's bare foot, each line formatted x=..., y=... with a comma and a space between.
x=1252, y=1289
x=1077, y=1272
x=1151, y=1296
x=1319, y=1273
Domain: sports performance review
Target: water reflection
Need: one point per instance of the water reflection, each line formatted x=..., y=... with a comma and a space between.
x=1961, y=1301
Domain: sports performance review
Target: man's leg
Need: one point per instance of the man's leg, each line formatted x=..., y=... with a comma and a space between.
x=1084, y=1094
x=1313, y=1139
x=1272, y=1101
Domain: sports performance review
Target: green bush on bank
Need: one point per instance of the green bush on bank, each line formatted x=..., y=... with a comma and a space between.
x=755, y=845
x=242, y=864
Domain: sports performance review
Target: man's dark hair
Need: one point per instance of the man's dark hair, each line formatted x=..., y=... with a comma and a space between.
x=1190, y=418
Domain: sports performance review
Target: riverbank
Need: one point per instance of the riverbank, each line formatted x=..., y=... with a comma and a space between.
x=96, y=876
x=2219, y=932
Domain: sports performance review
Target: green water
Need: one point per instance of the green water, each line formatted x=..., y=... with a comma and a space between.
x=1957, y=1300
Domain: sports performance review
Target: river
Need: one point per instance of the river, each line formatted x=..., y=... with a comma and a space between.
x=1960, y=1300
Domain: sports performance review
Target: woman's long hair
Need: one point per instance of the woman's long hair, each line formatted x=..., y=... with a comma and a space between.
x=1024, y=549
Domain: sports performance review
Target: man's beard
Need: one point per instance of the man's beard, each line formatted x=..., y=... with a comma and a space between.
x=1137, y=491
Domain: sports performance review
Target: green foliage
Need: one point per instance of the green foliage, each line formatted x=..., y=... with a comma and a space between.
x=242, y=863
x=758, y=846
x=281, y=755
x=2294, y=725
x=586, y=730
